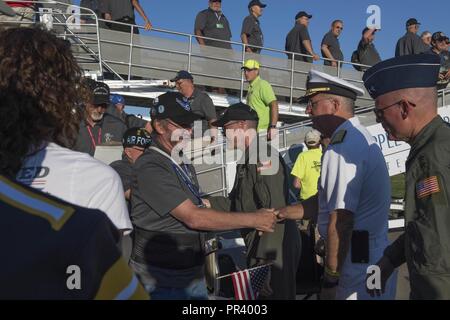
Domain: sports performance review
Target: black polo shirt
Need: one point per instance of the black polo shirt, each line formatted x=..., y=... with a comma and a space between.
x=109, y=129
x=214, y=25
x=367, y=53
x=294, y=42
x=333, y=45
x=251, y=27
x=117, y=8
x=410, y=43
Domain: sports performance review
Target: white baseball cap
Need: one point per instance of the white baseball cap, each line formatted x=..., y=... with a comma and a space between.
x=312, y=137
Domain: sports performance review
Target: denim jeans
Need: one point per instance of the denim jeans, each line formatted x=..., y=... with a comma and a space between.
x=196, y=290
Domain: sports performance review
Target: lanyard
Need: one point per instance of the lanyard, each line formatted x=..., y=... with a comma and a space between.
x=183, y=175
x=218, y=16
x=92, y=136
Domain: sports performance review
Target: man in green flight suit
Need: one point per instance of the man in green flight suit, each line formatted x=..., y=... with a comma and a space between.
x=261, y=183
x=405, y=92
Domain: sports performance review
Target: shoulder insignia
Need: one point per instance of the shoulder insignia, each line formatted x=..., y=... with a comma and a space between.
x=35, y=204
x=339, y=137
x=427, y=187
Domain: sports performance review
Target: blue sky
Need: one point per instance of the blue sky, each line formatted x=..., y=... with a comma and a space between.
x=278, y=18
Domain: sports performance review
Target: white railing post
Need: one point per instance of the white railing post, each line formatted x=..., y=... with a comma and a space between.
x=242, y=73
x=224, y=171
x=130, y=59
x=291, y=95
x=190, y=53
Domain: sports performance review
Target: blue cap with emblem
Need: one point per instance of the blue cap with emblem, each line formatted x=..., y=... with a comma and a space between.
x=117, y=99
x=411, y=71
x=320, y=82
x=173, y=106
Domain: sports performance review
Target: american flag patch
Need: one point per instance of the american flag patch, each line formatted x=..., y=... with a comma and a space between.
x=427, y=187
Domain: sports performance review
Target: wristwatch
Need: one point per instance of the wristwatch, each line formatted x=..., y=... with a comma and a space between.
x=273, y=126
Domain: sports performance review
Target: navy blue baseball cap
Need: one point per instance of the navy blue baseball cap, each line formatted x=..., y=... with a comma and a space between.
x=412, y=22
x=173, y=106
x=182, y=74
x=411, y=71
x=256, y=3
x=117, y=99
x=302, y=14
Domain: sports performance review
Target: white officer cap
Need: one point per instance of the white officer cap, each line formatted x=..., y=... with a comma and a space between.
x=320, y=82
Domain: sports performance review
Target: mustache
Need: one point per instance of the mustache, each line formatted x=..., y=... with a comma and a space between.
x=96, y=116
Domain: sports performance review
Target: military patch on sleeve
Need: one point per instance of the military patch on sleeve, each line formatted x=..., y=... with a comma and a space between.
x=339, y=137
x=427, y=187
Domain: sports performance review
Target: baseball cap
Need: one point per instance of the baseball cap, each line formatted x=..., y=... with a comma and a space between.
x=237, y=111
x=411, y=22
x=136, y=137
x=256, y=3
x=312, y=137
x=100, y=91
x=367, y=29
x=439, y=36
x=173, y=106
x=251, y=64
x=182, y=74
x=302, y=14
x=5, y=9
x=116, y=99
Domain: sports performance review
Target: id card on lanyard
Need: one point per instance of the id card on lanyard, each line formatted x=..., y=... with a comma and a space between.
x=99, y=137
x=185, y=177
x=218, y=24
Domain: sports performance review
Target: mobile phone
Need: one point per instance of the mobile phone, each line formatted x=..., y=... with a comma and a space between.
x=360, y=246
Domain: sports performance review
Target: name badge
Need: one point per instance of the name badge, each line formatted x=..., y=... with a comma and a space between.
x=219, y=26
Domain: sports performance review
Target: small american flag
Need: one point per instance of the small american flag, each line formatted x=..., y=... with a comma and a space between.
x=247, y=283
x=427, y=187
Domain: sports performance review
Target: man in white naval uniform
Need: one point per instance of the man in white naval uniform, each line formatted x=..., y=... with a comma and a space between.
x=354, y=190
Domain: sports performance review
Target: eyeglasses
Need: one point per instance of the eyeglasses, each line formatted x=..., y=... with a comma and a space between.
x=379, y=113
x=312, y=105
x=340, y=28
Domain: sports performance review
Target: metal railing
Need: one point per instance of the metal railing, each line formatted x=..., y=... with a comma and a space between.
x=106, y=63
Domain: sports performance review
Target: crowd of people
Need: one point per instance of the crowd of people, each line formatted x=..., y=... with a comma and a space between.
x=66, y=209
x=212, y=28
